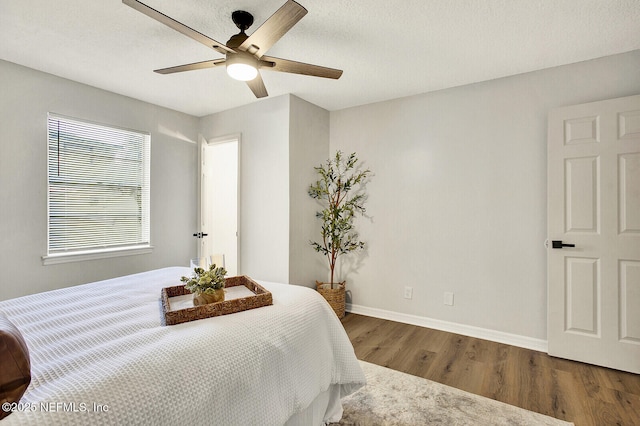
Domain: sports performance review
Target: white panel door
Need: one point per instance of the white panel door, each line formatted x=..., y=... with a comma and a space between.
x=594, y=207
x=219, y=202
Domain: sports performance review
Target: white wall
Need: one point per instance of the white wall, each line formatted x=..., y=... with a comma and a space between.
x=308, y=147
x=457, y=202
x=26, y=98
x=458, y=196
x=264, y=183
x=273, y=235
x=282, y=139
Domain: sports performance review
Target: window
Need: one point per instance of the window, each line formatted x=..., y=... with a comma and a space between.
x=98, y=181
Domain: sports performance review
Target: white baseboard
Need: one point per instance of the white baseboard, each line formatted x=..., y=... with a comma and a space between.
x=452, y=327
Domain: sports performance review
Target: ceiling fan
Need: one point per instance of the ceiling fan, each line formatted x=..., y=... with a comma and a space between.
x=245, y=55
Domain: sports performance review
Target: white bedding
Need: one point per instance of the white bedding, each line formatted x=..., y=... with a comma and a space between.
x=100, y=355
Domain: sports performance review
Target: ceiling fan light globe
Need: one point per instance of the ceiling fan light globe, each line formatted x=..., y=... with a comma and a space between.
x=242, y=66
x=242, y=72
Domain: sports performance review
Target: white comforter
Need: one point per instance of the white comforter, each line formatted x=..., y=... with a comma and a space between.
x=99, y=355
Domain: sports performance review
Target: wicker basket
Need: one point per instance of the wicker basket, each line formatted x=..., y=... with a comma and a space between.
x=335, y=296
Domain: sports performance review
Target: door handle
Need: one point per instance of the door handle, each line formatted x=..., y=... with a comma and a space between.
x=559, y=244
x=200, y=235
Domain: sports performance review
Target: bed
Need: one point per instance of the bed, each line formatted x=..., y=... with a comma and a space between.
x=100, y=354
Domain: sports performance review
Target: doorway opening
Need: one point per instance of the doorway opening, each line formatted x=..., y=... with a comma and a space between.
x=219, y=202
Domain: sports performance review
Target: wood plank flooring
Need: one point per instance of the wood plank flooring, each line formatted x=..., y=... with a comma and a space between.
x=584, y=394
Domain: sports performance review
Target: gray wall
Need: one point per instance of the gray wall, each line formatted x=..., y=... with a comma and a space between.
x=264, y=183
x=308, y=148
x=458, y=199
x=277, y=217
x=26, y=98
x=282, y=139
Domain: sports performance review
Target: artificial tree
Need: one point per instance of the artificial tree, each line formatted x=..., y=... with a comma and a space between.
x=339, y=190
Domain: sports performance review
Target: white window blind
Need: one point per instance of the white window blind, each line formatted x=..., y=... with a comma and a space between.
x=98, y=187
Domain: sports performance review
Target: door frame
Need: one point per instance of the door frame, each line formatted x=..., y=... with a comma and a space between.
x=202, y=145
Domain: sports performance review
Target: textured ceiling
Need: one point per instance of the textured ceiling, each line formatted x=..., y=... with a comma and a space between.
x=387, y=48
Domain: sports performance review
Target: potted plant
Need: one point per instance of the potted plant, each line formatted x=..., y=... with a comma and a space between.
x=207, y=285
x=339, y=190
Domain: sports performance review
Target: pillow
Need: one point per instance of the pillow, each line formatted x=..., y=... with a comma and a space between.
x=15, y=367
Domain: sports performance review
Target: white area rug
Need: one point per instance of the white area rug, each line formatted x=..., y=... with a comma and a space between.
x=392, y=398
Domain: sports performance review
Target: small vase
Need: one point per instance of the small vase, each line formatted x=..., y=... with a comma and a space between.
x=205, y=298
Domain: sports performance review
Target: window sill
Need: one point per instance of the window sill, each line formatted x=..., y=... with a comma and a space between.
x=80, y=256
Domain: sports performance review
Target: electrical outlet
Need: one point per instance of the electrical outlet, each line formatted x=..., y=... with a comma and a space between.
x=408, y=292
x=448, y=298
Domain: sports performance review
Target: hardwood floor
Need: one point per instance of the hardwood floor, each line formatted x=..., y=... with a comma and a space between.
x=581, y=393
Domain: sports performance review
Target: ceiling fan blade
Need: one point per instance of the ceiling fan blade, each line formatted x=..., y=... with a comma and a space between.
x=191, y=67
x=273, y=28
x=257, y=87
x=172, y=23
x=285, y=65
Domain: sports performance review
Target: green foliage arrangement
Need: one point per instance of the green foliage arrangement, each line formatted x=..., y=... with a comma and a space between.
x=205, y=280
x=340, y=192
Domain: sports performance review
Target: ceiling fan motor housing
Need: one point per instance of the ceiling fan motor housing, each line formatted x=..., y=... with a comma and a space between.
x=238, y=63
x=236, y=40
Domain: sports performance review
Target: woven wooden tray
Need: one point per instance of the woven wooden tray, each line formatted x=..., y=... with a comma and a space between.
x=261, y=297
